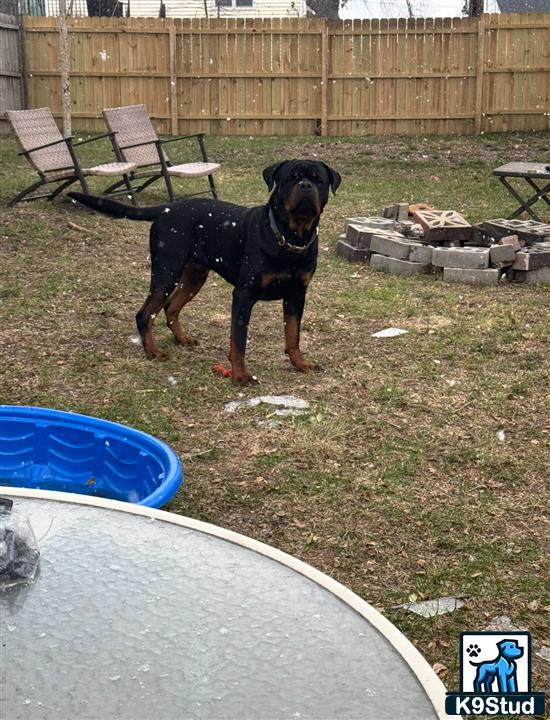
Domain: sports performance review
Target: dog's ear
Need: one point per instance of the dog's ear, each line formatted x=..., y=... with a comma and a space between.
x=271, y=173
x=335, y=178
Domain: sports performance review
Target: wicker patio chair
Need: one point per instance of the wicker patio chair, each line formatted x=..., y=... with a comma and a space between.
x=135, y=140
x=54, y=158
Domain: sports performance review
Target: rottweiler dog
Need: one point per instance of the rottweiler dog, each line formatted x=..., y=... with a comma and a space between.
x=267, y=252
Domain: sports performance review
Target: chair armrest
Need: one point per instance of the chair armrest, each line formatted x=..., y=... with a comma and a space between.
x=139, y=144
x=182, y=137
x=96, y=137
x=67, y=140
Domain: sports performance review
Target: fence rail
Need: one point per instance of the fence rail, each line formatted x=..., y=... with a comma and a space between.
x=301, y=76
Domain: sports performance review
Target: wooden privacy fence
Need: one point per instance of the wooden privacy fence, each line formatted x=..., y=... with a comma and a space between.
x=11, y=82
x=301, y=76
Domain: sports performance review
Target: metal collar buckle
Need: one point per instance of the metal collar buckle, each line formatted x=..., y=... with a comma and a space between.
x=283, y=242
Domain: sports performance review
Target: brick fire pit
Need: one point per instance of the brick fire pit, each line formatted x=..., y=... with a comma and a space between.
x=417, y=239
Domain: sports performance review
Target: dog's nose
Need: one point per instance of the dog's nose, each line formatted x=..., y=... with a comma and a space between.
x=305, y=185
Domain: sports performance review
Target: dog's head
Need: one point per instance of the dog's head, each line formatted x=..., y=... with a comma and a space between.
x=301, y=189
x=510, y=649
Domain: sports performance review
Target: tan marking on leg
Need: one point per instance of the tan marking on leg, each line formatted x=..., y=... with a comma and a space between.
x=152, y=306
x=191, y=281
x=292, y=340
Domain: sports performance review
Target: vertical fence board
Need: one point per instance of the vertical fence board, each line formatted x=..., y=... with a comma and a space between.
x=275, y=76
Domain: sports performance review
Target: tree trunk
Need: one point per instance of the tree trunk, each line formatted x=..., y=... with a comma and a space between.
x=475, y=8
x=64, y=68
x=323, y=8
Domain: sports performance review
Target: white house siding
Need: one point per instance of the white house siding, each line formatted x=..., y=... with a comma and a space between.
x=403, y=8
x=195, y=8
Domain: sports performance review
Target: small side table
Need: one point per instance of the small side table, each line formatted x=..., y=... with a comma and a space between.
x=530, y=172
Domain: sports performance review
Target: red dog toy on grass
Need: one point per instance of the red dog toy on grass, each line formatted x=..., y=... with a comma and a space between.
x=222, y=370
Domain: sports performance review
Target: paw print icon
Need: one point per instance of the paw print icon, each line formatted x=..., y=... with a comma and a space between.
x=473, y=650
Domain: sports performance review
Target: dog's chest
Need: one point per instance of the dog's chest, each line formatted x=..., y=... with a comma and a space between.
x=275, y=285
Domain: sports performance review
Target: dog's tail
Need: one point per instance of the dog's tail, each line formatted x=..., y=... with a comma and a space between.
x=118, y=210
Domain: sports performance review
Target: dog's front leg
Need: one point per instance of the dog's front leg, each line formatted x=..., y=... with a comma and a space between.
x=241, y=308
x=293, y=309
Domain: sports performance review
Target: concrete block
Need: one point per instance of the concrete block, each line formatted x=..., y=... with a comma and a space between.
x=390, y=211
x=392, y=247
x=533, y=257
x=377, y=221
x=466, y=257
x=512, y=240
x=371, y=221
x=402, y=211
x=536, y=277
x=398, y=267
x=502, y=255
x=470, y=276
x=358, y=235
x=350, y=253
x=421, y=253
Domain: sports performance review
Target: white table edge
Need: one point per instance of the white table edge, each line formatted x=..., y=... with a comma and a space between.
x=432, y=685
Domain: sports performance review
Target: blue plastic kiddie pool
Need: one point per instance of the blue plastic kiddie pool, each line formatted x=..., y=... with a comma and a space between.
x=65, y=451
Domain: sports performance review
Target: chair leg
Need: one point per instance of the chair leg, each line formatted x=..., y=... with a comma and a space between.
x=169, y=188
x=62, y=187
x=148, y=182
x=25, y=192
x=113, y=187
x=202, y=146
x=212, y=187
x=128, y=184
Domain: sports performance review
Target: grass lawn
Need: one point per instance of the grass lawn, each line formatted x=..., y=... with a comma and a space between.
x=396, y=483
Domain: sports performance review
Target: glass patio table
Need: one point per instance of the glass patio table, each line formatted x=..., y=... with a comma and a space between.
x=141, y=614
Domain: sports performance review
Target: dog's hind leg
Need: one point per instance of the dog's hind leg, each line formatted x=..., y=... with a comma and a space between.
x=159, y=296
x=191, y=281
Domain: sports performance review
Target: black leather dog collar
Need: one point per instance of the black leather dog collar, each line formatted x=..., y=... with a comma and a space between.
x=283, y=242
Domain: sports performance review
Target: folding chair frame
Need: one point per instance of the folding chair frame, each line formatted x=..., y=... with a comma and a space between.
x=64, y=182
x=153, y=175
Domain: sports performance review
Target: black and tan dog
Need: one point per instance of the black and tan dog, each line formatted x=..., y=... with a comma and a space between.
x=267, y=253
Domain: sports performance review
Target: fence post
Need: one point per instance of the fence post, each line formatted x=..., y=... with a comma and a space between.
x=173, y=78
x=324, y=77
x=479, y=73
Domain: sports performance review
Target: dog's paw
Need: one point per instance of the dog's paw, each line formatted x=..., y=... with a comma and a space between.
x=300, y=363
x=186, y=340
x=473, y=650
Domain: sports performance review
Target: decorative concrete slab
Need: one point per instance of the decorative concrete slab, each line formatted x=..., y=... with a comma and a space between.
x=529, y=230
x=443, y=225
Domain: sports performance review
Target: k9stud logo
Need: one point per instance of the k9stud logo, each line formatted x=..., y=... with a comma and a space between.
x=495, y=675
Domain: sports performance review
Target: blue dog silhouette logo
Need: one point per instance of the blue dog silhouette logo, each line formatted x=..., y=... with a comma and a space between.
x=495, y=676
x=503, y=668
